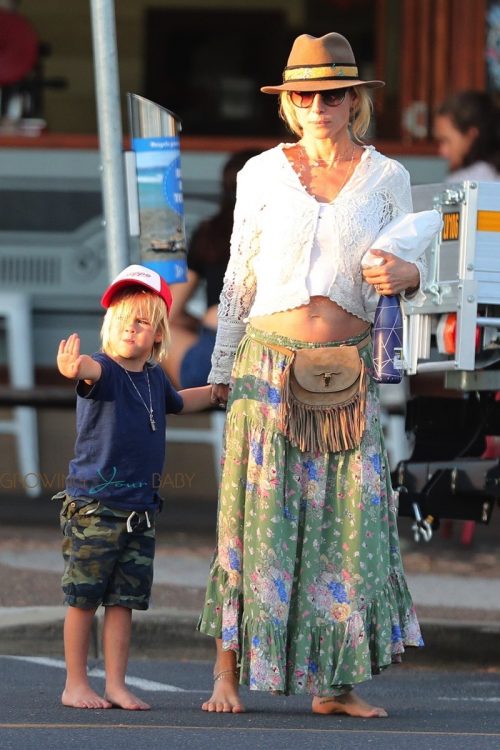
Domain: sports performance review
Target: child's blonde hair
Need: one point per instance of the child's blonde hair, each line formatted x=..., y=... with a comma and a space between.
x=360, y=114
x=150, y=305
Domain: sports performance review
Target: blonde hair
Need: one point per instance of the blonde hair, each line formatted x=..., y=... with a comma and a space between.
x=151, y=305
x=361, y=108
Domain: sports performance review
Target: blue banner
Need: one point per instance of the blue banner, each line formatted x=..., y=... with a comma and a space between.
x=161, y=206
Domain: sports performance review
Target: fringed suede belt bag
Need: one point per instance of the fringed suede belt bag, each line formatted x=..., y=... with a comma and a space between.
x=323, y=397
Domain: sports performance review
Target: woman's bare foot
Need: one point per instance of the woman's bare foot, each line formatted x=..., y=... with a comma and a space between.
x=83, y=697
x=123, y=698
x=225, y=696
x=348, y=703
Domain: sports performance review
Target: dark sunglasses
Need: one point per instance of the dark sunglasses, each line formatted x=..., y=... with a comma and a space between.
x=304, y=99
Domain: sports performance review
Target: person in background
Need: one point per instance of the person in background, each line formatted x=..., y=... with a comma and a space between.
x=467, y=129
x=306, y=592
x=188, y=362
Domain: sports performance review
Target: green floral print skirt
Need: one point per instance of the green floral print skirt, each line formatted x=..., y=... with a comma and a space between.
x=306, y=585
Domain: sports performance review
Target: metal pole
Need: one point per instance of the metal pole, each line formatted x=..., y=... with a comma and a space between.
x=110, y=134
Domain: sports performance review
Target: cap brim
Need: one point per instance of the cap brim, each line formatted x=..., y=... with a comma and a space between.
x=322, y=85
x=113, y=288
x=108, y=295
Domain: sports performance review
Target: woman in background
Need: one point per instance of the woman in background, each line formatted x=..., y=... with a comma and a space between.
x=467, y=128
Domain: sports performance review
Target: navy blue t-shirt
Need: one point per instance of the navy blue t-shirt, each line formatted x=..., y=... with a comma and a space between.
x=118, y=457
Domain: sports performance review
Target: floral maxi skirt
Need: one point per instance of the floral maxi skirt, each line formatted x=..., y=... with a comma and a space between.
x=306, y=584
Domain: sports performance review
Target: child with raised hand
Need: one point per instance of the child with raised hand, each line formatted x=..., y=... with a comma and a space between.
x=110, y=500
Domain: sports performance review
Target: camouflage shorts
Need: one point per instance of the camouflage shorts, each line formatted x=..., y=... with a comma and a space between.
x=104, y=562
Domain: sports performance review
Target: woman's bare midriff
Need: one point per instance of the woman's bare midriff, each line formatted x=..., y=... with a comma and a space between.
x=319, y=321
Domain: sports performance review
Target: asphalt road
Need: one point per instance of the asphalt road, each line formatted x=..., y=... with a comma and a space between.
x=429, y=709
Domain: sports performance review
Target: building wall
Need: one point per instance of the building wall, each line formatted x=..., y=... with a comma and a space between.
x=66, y=27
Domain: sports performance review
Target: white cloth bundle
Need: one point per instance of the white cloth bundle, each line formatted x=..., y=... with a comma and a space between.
x=408, y=237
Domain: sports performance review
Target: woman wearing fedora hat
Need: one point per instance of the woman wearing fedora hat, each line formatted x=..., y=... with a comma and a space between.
x=306, y=592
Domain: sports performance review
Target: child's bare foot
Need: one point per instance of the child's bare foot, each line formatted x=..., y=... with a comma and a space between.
x=348, y=703
x=225, y=697
x=123, y=698
x=83, y=697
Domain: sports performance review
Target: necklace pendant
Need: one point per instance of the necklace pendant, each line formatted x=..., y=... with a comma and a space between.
x=152, y=422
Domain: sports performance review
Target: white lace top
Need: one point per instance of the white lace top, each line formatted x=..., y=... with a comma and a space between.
x=275, y=223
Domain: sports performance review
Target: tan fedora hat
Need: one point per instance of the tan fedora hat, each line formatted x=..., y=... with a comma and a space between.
x=320, y=63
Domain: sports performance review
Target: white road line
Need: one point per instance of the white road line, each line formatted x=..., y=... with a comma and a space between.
x=137, y=682
x=493, y=699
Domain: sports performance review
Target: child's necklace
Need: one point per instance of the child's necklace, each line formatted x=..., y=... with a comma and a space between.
x=150, y=409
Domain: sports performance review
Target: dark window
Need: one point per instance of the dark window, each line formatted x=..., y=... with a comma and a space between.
x=208, y=67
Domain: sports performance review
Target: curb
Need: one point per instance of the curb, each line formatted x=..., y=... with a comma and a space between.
x=452, y=644
x=164, y=634
x=171, y=634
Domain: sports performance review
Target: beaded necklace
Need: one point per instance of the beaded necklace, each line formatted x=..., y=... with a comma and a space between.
x=304, y=163
x=319, y=162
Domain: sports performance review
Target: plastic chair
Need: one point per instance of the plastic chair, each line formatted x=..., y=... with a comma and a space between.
x=211, y=435
x=15, y=309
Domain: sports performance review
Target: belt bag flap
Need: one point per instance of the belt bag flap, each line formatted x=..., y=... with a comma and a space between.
x=325, y=375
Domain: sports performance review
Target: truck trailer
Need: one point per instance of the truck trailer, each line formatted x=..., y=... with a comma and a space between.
x=451, y=357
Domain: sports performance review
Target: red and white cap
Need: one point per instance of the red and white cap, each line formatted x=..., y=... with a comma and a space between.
x=141, y=276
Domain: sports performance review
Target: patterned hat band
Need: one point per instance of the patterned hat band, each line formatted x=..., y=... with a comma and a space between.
x=313, y=64
x=334, y=71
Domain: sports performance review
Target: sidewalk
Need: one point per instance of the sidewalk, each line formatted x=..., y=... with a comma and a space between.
x=456, y=591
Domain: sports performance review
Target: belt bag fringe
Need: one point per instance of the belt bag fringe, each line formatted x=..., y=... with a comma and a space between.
x=323, y=398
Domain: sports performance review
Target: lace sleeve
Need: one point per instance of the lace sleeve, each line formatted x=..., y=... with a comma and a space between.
x=238, y=290
x=398, y=188
x=400, y=199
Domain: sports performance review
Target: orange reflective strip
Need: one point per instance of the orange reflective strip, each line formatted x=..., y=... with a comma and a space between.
x=450, y=334
x=488, y=221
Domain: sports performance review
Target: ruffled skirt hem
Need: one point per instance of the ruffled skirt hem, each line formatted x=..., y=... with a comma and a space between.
x=312, y=656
